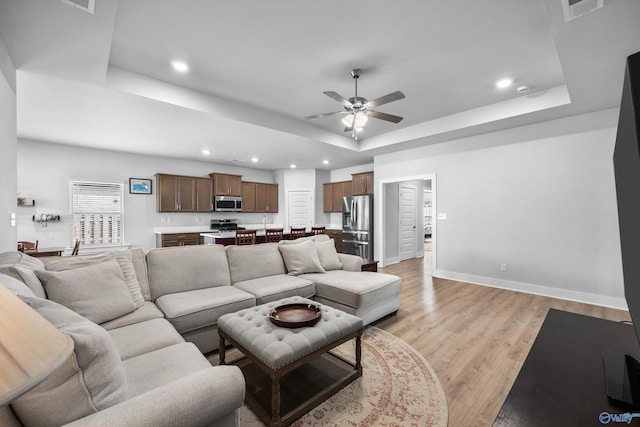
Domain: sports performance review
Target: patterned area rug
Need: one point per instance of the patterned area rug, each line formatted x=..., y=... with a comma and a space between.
x=398, y=388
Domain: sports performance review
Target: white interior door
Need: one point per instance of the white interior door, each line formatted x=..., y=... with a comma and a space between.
x=408, y=228
x=300, y=208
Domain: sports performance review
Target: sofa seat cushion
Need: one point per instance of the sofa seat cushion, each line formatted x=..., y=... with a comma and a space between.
x=192, y=310
x=272, y=288
x=252, y=261
x=144, y=337
x=91, y=379
x=97, y=292
x=157, y=368
x=148, y=311
x=355, y=288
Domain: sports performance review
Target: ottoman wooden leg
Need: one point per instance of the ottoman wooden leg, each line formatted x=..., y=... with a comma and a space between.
x=275, y=400
x=222, y=351
x=358, y=366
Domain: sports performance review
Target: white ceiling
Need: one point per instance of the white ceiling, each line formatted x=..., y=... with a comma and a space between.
x=258, y=67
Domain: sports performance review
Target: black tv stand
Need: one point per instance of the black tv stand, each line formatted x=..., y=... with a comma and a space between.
x=562, y=381
x=622, y=378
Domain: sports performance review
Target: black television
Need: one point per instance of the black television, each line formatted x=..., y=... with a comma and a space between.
x=622, y=371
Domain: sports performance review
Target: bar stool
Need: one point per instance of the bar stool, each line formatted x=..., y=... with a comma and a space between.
x=297, y=232
x=273, y=235
x=245, y=237
x=318, y=230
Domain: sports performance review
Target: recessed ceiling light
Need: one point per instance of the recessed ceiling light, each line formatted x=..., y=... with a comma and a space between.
x=180, y=66
x=254, y=159
x=522, y=89
x=504, y=83
x=206, y=152
x=292, y=166
x=326, y=162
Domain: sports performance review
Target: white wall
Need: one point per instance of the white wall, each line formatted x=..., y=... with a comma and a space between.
x=539, y=198
x=44, y=170
x=8, y=141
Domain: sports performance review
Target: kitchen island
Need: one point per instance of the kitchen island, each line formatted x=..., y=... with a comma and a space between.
x=229, y=237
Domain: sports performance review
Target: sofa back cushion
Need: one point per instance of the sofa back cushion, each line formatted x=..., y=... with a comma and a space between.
x=16, y=286
x=97, y=291
x=253, y=261
x=186, y=268
x=92, y=378
x=22, y=266
x=124, y=259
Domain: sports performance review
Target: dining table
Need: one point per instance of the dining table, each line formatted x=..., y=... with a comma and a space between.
x=43, y=252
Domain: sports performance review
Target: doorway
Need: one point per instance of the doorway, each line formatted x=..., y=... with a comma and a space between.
x=406, y=202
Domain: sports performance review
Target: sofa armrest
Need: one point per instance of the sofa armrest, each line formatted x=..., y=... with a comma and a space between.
x=196, y=400
x=350, y=262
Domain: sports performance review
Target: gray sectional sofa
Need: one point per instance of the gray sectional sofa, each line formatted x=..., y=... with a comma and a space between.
x=156, y=316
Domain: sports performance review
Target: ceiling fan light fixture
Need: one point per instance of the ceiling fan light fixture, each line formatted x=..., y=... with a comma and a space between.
x=348, y=120
x=361, y=120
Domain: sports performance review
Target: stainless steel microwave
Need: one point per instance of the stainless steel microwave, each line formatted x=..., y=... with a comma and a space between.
x=227, y=204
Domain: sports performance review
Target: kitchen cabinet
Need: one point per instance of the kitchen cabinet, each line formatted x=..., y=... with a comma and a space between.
x=336, y=235
x=362, y=183
x=204, y=195
x=266, y=197
x=259, y=197
x=176, y=193
x=178, y=239
x=333, y=194
x=248, y=196
x=227, y=185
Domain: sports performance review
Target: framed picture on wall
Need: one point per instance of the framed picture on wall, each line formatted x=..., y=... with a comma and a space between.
x=139, y=186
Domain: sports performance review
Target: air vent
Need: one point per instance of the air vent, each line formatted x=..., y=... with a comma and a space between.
x=86, y=5
x=576, y=8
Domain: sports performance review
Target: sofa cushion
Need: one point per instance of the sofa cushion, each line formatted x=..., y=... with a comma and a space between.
x=187, y=268
x=157, y=368
x=125, y=262
x=143, y=337
x=21, y=266
x=15, y=286
x=201, y=307
x=328, y=255
x=272, y=288
x=355, y=288
x=252, y=261
x=147, y=312
x=301, y=258
x=97, y=292
x=92, y=378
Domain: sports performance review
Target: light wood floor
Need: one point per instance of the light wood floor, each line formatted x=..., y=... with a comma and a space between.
x=474, y=337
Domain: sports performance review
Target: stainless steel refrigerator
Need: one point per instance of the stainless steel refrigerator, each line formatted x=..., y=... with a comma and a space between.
x=357, y=226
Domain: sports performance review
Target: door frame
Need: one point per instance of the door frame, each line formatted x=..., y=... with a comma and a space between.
x=380, y=235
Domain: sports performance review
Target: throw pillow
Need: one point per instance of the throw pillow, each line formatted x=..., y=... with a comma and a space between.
x=328, y=255
x=15, y=285
x=124, y=258
x=97, y=292
x=92, y=378
x=301, y=258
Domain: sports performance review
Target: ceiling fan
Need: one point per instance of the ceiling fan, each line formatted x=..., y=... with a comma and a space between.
x=359, y=109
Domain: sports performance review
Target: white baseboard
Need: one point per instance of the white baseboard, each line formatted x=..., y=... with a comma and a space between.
x=392, y=260
x=547, y=291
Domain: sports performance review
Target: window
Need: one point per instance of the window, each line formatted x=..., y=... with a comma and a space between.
x=98, y=213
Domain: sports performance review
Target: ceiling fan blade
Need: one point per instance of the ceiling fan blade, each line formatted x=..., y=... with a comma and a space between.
x=341, y=99
x=385, y=116
x=326, y=114
x=386, y=99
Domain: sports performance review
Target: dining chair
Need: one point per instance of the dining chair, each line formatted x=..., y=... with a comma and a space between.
x=273, y=234
x=28, y=246
x=297, y=232
x=318, y=230
x=76, y=247
x=245, y=237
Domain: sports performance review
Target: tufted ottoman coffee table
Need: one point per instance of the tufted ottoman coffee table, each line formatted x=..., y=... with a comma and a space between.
x=293, y=361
